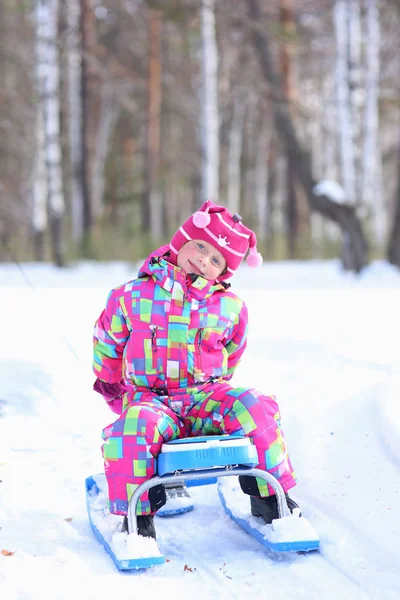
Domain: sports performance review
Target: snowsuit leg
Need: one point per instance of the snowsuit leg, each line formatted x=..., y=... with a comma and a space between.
x=131, y=446
x=247, y=412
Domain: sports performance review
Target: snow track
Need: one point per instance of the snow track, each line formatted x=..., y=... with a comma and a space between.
x=325, y=343
x=216, y=549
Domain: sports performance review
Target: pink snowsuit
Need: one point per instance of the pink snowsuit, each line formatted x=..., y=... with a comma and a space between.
x=168, y=345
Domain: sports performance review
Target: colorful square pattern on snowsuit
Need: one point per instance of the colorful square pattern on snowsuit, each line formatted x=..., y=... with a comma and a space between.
x=144, y=334
x=216, y=408
x=162, y=330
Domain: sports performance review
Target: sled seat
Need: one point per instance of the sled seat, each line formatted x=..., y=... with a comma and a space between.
x=206, y=452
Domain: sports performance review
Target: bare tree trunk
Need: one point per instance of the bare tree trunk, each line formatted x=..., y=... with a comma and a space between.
x=371, y=192
x=154, y=197
x=393, y=252
x=210, y=177
x=346, y=122
x=172, y=192
x=85, y=26
x=250, y=153
x=344, y=216
x=52, y=130
x=75, y=123
x=235, y=153
x=355, y=86
x=47, y=13
x=40, y=178
x=109, y=111
x=286, y=51
x=262, y=205
x=40, y=188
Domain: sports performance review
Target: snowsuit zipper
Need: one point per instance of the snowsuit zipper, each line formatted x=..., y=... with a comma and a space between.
x=154, y=345
x=197, y=348
x=199, y=338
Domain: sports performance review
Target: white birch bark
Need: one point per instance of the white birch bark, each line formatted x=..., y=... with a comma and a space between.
x=314, y=131
x=108, y=115
x=75, y=117
x=40, y=187
x=210, y=134
x=329, y=164
x=371, y=192
x=355, y=85
x=49, y=10
x=234, y=156
x=40, y=179
x=347, y=157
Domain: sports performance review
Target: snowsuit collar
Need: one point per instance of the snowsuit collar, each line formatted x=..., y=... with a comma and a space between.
x=165, y=274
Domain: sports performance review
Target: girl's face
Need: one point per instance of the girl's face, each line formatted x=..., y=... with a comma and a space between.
x=201, y=258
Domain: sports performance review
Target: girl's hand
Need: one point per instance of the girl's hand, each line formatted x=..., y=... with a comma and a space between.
x=112, y=393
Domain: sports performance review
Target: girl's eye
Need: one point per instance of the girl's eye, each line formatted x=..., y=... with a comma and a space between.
x=201, y=246
x=216, y=262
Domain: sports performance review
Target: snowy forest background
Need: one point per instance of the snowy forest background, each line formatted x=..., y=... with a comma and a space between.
x=118, y=118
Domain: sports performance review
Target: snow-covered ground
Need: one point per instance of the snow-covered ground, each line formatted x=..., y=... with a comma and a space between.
x=326, y=343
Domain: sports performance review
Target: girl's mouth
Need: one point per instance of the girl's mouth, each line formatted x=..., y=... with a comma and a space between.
x=195, y=269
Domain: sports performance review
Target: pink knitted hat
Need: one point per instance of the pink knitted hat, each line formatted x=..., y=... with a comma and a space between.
x=216, y=225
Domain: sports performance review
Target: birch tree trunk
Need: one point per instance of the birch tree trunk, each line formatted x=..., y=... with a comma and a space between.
x=51, y=104
x=77, y=201
x=286, y=58
x=372, y=196
x=250, y=149
x=86, y=26
x=154, y=198
x=394, y=241
x=109, y=111
x=40, y=189
x=40, y=177
x=347, y=154
x=210, y=134
x=328, y=155
x=234, y=155
x=354, y=243
x=262, y=208
x=355, y=84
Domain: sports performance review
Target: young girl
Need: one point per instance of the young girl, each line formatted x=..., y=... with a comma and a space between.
x=165, y=348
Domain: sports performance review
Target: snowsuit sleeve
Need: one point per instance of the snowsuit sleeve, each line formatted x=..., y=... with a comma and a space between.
x=238, y=342
x=111, y=333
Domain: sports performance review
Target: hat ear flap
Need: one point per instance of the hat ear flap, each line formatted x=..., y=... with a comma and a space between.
x=254, y=258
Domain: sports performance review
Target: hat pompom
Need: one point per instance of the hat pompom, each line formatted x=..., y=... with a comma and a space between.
x=254, y=258
x=201, y=219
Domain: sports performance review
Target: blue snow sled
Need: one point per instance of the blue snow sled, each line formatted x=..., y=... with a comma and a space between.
x=199, y=460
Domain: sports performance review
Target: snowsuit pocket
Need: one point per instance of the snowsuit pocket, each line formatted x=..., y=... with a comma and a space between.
x=145, y=351
x=211, y=356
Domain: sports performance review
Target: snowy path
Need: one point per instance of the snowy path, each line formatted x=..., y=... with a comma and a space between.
x=229, y=552
x=329, y=352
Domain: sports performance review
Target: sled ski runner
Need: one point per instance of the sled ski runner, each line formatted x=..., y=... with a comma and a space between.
x=127, y=552
x=197, y=459
x=290, y=533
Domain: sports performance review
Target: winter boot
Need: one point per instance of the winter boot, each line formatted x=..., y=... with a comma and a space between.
x=176, y=491
x=178, y=500
x=145, y=525
x=267, y=507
